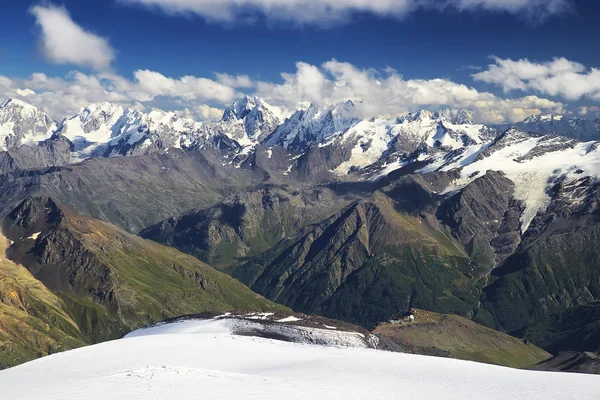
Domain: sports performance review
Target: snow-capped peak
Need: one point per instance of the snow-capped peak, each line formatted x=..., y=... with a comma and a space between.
x=315, y=124
x=423, y=114
x=543, y=118
x=240, y=109
x=17, y=103
x=455, y=116
x=22, y=123
x=249, y=120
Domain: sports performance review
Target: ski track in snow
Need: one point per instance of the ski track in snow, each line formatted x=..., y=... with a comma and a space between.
x=170, y=362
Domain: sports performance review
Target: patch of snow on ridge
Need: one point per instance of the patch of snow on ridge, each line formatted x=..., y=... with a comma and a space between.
x=209, y=363
x=289, y=319
x=34, y=236
x=262, y=316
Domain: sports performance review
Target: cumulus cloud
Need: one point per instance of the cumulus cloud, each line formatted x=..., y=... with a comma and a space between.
x=65, y=42
x=325, y=12
x=205, y=112
x=559, y=77
x=386, y=92
x=150, y=84
x=5, y=82
x=236, y=81
x=63, y=96
x=585, y=111
x=24, y=92
x=376, y=92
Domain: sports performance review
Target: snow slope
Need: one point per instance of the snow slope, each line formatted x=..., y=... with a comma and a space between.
x=203, y=360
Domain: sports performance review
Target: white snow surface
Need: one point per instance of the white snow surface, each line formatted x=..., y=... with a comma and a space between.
x=203, y=360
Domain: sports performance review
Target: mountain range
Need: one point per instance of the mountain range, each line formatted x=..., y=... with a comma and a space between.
x=320, y=210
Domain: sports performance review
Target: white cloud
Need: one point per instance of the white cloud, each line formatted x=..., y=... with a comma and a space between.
x=65, y=42
x=24, y=92
x=585, y=111
x=377, y=93
x=204, y=112
x=388, y=93
x=5, y=82
x=152, y=84
x=62, y=97
x=326, y=12
x=559, y=77
x=236, y=81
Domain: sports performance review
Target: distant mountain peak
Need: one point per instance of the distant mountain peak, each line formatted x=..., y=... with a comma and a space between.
x=22, y=123
x=543, y=118
x=249, y=120
x=241, y=108
x=16, y=102
x=456, y=116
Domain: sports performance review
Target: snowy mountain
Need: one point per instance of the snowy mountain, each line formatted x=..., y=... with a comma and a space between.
x=106, y=129
x=249, y=120
x=533, y=163
x=331, y=142
x=456, y=116
x=314, y=124
x=307, y=212
x=22, y=123
x=207, y=358
x=582, y=129
x=354, y=144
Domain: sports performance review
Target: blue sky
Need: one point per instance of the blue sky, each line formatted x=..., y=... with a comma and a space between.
x=260, y=42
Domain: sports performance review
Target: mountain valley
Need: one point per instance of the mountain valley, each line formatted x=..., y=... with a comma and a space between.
x=318, y=210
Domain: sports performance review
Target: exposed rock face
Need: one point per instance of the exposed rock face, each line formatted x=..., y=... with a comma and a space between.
x=56, y=151
x=132, y=192
x=478, y=214
x=571, y=361
x=552, y=270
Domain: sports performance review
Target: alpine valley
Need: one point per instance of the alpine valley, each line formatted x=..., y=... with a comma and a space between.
x=114, y=219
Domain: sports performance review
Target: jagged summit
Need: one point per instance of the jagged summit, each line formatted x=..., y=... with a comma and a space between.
x=16, y=102
x=456, y=116
x=249, y=120
x=22, y=123
x=543, y=117
x=241, y=108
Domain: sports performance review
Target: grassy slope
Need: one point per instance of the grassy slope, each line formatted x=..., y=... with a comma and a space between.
x=464, y=339
x=153, y=282
x=418, y=262
x=33, y=322
x=141, y=282
x=363, y=265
